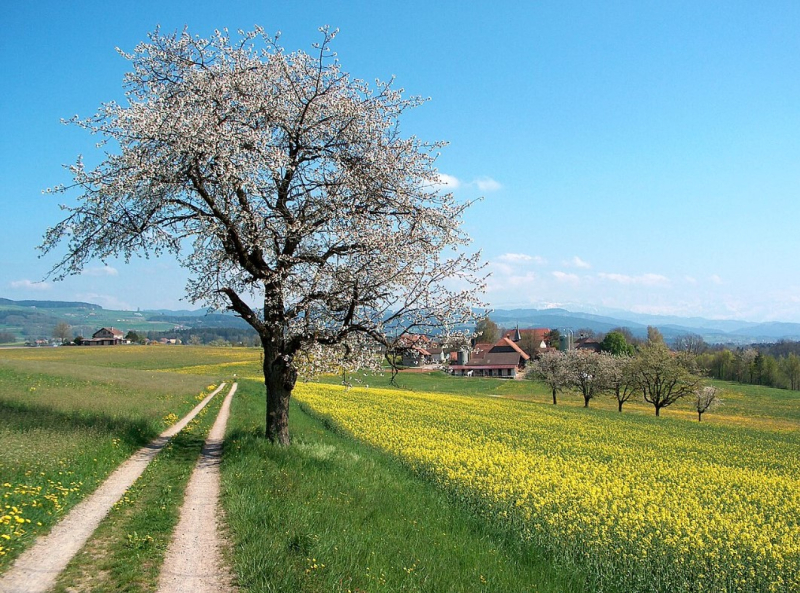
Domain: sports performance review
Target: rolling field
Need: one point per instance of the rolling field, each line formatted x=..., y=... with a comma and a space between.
x=640, y=503
x=435, y=487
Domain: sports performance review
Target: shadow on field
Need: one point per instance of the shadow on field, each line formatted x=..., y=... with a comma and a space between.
x=21, y=417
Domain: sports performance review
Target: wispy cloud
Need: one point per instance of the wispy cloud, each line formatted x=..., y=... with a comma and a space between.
x=566, y=277
x=450, y=182
x=715, y=279
x=447, y=182
x=100, y=271
x=522, y=258
x=487, y=184
x=577, y=262
x=26, y=284
x=642, y=280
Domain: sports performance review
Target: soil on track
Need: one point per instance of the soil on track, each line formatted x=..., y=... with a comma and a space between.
x=194, y=562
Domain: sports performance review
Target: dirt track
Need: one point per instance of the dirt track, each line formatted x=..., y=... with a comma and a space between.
x=36, y=570
x=194, y=562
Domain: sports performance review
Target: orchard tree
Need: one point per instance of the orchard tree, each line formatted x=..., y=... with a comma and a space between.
x=62, y=332
x=663, y=376
x=705, y=398
x=616, y=344
x=654, y=335
x=721, y=363
x=134, y=337
x=588, y=372
x=691, y=343
x=790, y=366
x=550, y=368
x=553, y=339
x=284, y=186
x=621, y=379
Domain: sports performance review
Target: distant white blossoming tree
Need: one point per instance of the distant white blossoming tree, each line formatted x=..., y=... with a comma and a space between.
x=551, y=368
x=285, y=187
x=706, y=398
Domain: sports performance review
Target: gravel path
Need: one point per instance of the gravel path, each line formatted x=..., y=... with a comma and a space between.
x=36, y=570
x=194, y=563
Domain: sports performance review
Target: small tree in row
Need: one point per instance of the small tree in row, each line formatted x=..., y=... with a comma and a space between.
x=550, y=369
x=705, y=398
x=664, y=377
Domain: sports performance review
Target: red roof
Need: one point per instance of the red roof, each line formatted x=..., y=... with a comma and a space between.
x=481, y=367
x=508, y=342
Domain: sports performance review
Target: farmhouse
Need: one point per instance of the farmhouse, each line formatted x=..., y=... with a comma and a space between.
x=106, y=336
x=506, y=358
x=418, y=350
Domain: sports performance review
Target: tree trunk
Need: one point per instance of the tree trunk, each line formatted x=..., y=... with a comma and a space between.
x=619, y=402
x=586, y=401
x=554, y=397
x=279, y=380
x=699, y=416
x=658, y=409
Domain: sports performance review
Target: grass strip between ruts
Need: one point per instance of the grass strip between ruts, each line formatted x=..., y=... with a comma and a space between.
x=126, y=551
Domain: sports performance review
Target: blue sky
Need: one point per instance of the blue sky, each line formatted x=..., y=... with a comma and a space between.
x=631, y=155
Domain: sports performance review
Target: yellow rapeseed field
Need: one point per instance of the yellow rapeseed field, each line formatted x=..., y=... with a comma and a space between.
x=641, y=503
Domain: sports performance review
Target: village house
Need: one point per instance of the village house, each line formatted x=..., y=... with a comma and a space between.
x=420, y=350
x=106, y=336
x=588, y=344
x=506, y=358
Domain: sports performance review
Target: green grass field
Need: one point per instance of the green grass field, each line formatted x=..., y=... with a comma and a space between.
x=67, y=423
x=332, y=513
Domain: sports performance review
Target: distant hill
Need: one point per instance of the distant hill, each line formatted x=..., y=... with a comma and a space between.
x=36, y=319
x=50, y=304
x=712, y=331
x=30, y=320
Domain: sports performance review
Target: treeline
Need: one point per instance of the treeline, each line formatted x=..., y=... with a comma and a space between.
x=217, y=336
x=772, y=365
x=756, y=365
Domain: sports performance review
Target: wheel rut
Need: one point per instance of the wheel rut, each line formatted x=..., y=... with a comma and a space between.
x=36, y=569
x=194, y=562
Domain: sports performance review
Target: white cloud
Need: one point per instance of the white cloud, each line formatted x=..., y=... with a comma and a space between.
x=502, y=268
x=522, y=258
x=565, y=277
x=643, y=280
x=715, y=279
x=487, y=184
x=577, y=262
x=690, y=279
x=100, y=271
x=447, y=182
x=26, y=284
x=522, y=281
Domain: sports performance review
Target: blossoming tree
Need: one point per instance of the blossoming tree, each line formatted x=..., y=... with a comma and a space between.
x=286, y=189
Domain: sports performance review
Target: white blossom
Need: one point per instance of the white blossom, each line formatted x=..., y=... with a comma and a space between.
x=275, y=178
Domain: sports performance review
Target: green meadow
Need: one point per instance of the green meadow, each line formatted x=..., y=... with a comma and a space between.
x=329, y=513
